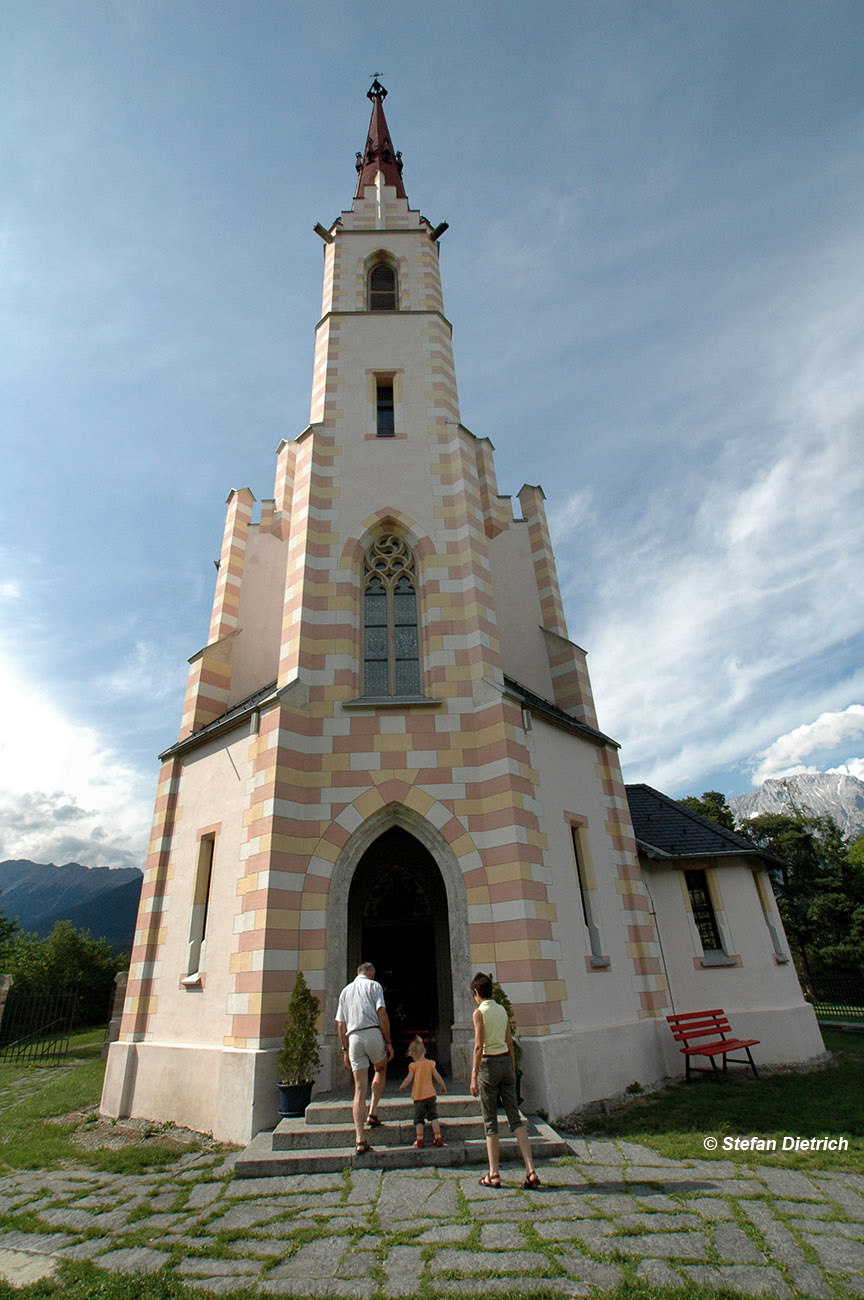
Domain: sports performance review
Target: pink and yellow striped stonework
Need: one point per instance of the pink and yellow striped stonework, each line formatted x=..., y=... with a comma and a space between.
x=312, y=764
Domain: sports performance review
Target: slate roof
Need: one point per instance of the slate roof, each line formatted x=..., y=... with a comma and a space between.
x=664, y=830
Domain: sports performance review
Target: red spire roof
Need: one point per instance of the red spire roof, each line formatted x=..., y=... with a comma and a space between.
x=379, y=154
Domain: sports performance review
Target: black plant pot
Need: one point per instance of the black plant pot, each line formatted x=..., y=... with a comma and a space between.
x=293, y=1099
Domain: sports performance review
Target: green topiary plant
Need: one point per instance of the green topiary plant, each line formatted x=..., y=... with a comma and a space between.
x=499, y=996
x=299, y=1058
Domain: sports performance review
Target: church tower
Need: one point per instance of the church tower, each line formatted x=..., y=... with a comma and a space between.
x=388, y=748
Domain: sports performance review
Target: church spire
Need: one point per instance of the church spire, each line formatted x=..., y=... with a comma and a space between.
x=379, y=154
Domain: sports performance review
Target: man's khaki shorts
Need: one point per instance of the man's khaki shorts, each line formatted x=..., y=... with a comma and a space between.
x=366, y=1047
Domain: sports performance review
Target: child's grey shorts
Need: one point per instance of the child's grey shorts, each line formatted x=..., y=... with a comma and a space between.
x=425, y=1109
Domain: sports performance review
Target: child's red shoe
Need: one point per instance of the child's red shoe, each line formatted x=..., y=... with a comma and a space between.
x=436, y=1141
x=419, y=1144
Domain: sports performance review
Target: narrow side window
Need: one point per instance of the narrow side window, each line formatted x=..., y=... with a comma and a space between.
x=765, y=896
x=702, y=907
x=200, y=905
x=382, y=288
x=385, y=410
x=391, y=635
x=587, y=897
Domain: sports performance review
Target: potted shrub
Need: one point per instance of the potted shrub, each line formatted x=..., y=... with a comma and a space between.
x=299, y=1058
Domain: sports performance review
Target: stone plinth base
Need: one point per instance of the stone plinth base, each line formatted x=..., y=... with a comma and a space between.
x=224, y=1091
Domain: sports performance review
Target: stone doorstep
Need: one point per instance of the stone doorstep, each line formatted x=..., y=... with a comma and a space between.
x=452, y=1105
x=261, y=1160
x=295, y=1135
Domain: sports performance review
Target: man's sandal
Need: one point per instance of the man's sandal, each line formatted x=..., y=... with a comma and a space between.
x=490, y=1180
x=532, y=1182
x=361, y=1148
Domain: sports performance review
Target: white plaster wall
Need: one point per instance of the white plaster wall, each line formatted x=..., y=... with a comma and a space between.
x=212, y=788
x=759, y=983
x=259, y=621
x=518, y=611
x=567, y=781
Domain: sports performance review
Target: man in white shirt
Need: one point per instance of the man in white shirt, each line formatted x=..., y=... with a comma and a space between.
x=364, y=1032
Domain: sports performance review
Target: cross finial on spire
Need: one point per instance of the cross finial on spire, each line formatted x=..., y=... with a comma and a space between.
x=379, y=155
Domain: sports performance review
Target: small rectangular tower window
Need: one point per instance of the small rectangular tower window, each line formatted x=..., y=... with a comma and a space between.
x=385, y=414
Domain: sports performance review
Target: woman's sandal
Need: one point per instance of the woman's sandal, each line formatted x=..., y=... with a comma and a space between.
x=490, y=1180
x=532, y=1182
x=361, y=1148
x=373, y=1122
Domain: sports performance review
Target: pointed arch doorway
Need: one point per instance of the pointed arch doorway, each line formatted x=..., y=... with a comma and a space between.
x=398, y=919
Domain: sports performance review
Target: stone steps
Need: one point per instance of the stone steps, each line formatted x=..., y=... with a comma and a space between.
x=323, y=1140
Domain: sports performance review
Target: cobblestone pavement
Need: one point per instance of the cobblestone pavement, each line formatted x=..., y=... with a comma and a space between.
x=612, y=1210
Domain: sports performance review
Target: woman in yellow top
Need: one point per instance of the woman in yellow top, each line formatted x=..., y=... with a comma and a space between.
x=493, y=1076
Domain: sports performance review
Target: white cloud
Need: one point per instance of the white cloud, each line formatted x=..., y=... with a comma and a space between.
x=852, y=767
x=785, y=756
x=151, y=673
x=712, y=590
x=575, y=512
x=63, y=792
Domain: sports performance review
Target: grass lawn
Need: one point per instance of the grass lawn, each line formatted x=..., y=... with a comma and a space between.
x=33, y=1096
x=824, y=1102
x=81, y=1282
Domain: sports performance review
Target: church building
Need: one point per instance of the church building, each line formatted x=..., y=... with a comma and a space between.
x=389, y=752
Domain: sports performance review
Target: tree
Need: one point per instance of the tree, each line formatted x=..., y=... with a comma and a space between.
x=856, y=851
x=712, y=806
x=819, y=888
x=8, y=928
x=68, y=959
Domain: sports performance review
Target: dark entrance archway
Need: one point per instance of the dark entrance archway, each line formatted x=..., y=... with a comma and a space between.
x=398, y=920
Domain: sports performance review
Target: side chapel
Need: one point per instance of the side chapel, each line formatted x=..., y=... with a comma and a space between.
x=389, y=751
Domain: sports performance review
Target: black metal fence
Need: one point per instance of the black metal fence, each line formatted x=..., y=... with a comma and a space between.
x=36, y=1026
x=836, y=997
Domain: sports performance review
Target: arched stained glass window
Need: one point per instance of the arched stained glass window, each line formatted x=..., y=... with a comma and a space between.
x=382, y=288
x=391, y=638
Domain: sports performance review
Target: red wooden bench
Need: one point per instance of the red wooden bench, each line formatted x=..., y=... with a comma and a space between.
x=692, y=1026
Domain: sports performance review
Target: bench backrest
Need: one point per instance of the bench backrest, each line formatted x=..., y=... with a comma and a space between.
x=699, y=1024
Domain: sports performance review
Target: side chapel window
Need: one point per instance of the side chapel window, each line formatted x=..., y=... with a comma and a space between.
x=703, y=910
x=391, y=641
x=382, y=288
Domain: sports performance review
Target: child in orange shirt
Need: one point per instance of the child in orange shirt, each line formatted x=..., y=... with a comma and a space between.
x=423, y=1076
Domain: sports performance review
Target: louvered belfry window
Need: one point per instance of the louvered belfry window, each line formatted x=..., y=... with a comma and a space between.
x=391, y=640
x=382, y=288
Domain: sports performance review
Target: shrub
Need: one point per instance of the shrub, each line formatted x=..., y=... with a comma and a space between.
x=299, y=1058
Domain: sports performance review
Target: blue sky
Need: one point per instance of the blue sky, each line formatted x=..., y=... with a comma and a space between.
x=654, y=273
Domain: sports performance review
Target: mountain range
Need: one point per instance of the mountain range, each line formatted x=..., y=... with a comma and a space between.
x=102, y=900
x=822, y=793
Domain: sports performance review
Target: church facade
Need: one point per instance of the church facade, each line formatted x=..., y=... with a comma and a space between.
x=389, y=751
